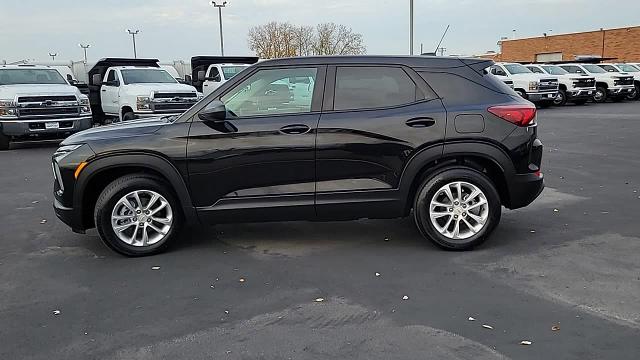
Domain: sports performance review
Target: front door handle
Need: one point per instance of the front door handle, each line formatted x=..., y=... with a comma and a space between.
x=421, y=122
x=297, y=129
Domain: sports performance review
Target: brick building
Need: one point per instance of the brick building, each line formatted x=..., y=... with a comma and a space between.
x=620, y=43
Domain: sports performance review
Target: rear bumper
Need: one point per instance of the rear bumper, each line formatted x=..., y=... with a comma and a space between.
x=24, y=128
x=524, y=189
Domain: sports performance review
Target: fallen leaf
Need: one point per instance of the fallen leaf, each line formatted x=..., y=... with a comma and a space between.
x=405, y=297
x=56, y=312
x=44, y=221
x=386, y=239
x=35, y=202
x=319, y=300
x=155, y=268
x=555, y=328
x=525, y=342
x=242, y=280
x=555, y=210
x=472, y=319
x=487, y=326
x=226, y=311
x=377, y=274
x=532, y=231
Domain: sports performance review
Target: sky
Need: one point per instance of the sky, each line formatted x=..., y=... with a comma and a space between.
x=178, y=29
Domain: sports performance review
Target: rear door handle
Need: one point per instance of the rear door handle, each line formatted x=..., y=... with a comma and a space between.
x=297, y=129
x=421, y=122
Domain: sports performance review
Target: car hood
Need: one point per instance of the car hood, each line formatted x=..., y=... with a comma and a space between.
x=120, y=130
x=11, y=91
x=147, y=89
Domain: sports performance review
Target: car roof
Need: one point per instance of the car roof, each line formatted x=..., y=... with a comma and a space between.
x=410, y=61
x=27, y=66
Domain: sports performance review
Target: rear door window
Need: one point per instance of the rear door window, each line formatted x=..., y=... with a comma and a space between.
x=373, y=87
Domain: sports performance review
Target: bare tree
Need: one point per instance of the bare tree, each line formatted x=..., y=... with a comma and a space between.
x=275, y=40
x=333, y=39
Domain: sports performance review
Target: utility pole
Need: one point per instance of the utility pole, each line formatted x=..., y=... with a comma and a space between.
x=220, y=6
x=442, y=50
x=84, y=47
x=133, y=33
x=53, y=56
x=410, y=27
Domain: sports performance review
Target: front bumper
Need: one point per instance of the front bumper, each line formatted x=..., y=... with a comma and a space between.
x=542, y=96
x=67, y=216
x=38, y=127
x=621, y=91
x=580, y=94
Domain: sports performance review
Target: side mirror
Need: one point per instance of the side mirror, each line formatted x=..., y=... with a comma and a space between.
x=188, y=79
x=214, y=112
x=96, y=79
x=202, y=75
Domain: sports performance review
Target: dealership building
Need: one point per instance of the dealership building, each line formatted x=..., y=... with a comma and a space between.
x=621, y=44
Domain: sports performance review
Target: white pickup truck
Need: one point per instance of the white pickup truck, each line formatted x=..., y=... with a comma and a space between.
x=539, y=89
x=615, y=86
x=574, y=88
x=37, y=102
x=210, y=72
x=631, y=70
x=127, y=89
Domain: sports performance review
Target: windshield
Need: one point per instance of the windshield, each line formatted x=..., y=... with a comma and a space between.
x=231, y=71
x=594, y=69
x=30, y=76
x=147, y=76
x=628, y=68
x=514, y=69
x=555, y=70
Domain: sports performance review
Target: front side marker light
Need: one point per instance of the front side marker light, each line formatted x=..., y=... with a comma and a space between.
x=81, y=166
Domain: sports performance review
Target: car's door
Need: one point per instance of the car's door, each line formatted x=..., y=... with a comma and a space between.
x=374, y=120
x=109, y=93
x=260, y=163
x=212, y=81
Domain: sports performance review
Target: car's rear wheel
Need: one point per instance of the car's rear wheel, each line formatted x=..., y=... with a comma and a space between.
x=4, y=142
x=600, y=95
x=457, y=209
x=137, y=215
x=561, y=98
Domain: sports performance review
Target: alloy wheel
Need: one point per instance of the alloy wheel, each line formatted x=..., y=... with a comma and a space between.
x=459, y=210
x=142, y=218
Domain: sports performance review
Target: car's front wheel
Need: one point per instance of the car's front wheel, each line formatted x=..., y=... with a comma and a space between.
x=561, y=98
x=457, y=209
x=600, y=95
x=137, y=215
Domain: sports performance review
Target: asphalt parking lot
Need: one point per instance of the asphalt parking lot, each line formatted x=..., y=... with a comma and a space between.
x=563, y=274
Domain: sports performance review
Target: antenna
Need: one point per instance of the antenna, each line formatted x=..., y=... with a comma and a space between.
x=442, y=38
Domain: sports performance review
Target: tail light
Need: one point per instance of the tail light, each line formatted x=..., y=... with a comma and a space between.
x=521, y=115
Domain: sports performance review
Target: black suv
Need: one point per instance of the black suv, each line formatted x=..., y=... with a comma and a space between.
x=317, y=138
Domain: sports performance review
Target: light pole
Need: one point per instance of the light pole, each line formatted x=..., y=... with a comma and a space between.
x=53, y=56
x=84, y=47
x=133, y=33
x=220, y=6
x=411, y=27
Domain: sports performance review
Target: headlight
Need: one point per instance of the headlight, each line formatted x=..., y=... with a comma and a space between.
x=143, y=103
x=533, y=85
x=7, y=108
x=64, y=151
x=85, y=108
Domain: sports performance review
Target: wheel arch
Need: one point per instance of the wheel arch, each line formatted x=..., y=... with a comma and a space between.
x=102, y=171
x=483, y=157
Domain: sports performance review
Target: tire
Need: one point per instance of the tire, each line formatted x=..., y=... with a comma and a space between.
x=580, y=102
x=129, y=115
x=4, y=142
x=601, y=95
x=159, y=234
x=561, y=98
x=431, y=189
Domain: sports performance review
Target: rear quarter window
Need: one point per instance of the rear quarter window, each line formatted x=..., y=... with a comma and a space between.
x=455, y=89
